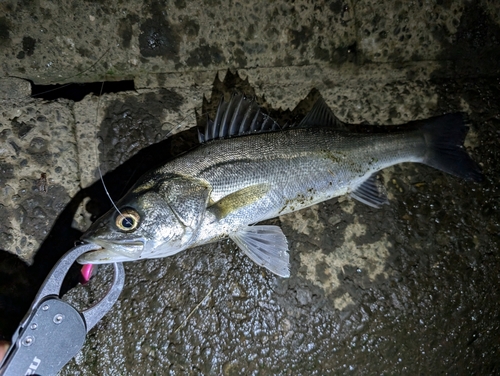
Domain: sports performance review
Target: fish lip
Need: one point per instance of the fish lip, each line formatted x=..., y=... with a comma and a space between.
x=123, y=243
x=113, y=251
x=102, y=256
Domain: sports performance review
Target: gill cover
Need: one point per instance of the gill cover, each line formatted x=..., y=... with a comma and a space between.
x=187, y=201
x=187, y=198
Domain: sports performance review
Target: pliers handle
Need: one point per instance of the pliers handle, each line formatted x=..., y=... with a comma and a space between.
x=53, y=331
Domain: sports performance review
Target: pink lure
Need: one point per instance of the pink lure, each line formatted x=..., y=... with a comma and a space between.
x=86, y=273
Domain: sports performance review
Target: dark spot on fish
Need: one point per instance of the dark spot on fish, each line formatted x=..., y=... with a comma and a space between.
x=205, y=55
x=29, y=45
x=20, y=55
x=157, y=37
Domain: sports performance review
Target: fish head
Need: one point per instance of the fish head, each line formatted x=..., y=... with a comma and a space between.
x=158, y=218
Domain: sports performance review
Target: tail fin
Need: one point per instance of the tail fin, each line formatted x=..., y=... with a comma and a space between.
x=444, y=136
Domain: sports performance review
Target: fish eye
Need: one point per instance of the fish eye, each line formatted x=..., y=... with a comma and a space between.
x=127, y=220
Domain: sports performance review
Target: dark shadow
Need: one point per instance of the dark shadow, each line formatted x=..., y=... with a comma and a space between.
x=77, y=91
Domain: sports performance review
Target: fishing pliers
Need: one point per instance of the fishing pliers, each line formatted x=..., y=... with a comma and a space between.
x=53, y=331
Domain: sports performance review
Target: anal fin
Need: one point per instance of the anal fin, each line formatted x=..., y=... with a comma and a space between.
x=266, y=245
x=370, y=192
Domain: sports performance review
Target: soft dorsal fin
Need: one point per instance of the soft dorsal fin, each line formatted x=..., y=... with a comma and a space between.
x=240, y=116
x=320, y=116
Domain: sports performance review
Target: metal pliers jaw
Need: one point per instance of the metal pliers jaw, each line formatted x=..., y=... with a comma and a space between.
x=53, y=331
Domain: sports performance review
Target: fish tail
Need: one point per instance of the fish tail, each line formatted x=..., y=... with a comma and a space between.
x=444, y=137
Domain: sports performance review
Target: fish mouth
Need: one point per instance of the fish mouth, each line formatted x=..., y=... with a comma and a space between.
x=115, y=251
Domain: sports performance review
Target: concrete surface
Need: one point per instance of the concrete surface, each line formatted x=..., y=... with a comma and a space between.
x=410, y=288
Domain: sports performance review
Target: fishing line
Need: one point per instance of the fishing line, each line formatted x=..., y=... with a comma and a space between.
x=96, y=119
x=194, y=310
x=97, y=114
x=174, y=129
x=99, y=164
x=180, y=124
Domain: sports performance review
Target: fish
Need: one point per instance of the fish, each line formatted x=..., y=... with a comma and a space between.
x=248, y=169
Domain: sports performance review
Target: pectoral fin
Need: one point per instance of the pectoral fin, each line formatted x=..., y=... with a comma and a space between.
x=265, y=245
x=370, y=193
x=239, y=199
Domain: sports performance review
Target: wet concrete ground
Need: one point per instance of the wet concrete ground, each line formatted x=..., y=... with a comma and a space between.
x=410, y=288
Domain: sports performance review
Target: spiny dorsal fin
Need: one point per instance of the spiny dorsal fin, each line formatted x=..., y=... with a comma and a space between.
x=320, y=116
x=240, y=116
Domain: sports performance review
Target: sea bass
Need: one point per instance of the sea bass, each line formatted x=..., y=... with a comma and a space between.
x=247, y=170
